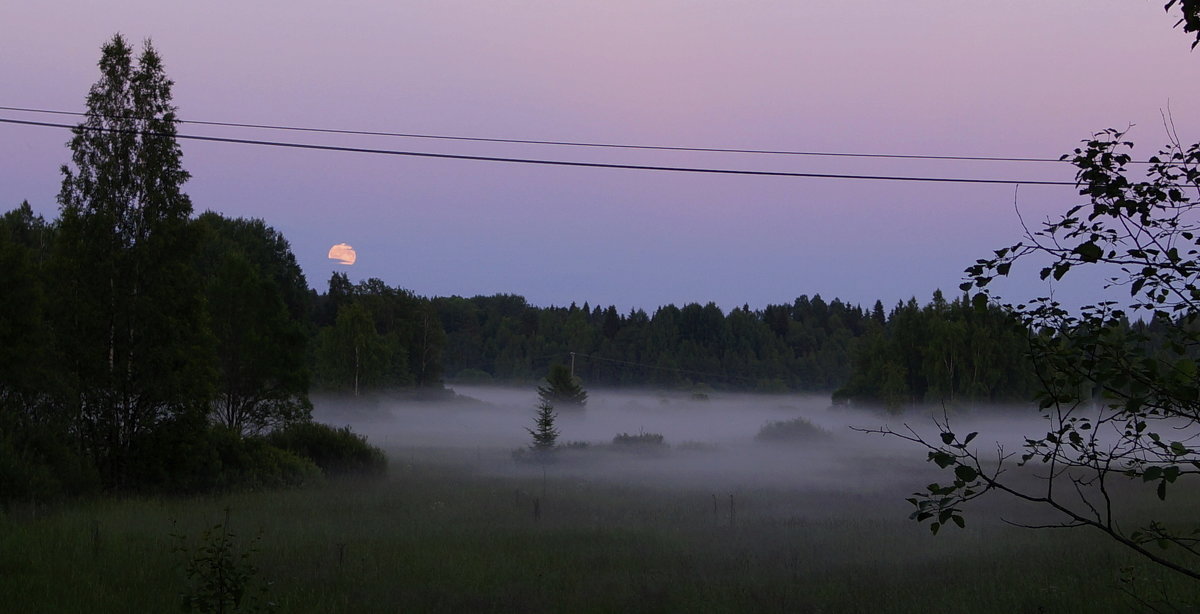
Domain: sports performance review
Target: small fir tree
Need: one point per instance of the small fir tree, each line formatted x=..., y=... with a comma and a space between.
x=545, y=435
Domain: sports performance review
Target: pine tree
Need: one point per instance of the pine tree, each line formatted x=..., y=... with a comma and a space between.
x=545, y=435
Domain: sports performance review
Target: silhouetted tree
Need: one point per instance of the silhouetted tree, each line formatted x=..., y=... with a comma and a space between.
x=544, y=433
x=131, y=329
x=562, y=389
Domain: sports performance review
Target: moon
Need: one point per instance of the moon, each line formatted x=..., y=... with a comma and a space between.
x=342, y=253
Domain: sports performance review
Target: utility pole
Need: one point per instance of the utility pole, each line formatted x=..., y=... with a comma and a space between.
x=572, y=365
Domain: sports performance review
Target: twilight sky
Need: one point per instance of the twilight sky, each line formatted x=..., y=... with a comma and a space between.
x=1013, y=78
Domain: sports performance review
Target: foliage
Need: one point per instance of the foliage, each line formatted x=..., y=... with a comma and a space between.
x=562, y=389
x=544, y=433
x=473, y=376
x=653, y=440
x=372, y=336
x=196, y=457
x=220, y=574
x=1121, y=401
x=336, y=451
x=252, y=276
x=958, y=353
x=37, y=465
x=133, y=344
x=945, y=352
x=1189, y=16
x=796, y=429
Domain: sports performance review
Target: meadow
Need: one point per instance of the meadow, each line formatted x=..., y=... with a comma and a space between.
x=457, y=526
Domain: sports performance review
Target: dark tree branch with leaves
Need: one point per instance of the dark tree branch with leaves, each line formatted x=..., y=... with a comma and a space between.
x=1121, y=400
x=1189, y=16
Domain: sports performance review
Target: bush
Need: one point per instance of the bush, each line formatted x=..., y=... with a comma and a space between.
x=641, y=439
x=336, y=451
x=38, y=465
x=220, y=574
x=796, y=429
x=184, y=457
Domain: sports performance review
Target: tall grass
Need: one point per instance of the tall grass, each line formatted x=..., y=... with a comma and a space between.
x=439, y=537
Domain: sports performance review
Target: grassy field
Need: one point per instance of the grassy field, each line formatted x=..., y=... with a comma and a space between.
x=442, y=534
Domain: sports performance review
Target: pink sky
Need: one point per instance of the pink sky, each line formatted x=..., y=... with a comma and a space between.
x=1020, y=78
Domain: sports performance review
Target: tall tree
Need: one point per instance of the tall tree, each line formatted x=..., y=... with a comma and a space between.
x=130, y=309
x=252, y=277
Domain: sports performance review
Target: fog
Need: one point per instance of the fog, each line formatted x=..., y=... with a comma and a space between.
x=711, y=440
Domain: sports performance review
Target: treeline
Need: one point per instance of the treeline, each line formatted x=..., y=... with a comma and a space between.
x=802, y=346
x=943, y=351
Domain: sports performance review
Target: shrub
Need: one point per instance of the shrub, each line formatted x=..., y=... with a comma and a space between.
x=641, y=439
x=182, y=457
x=220, y=574
x=796, y=429
x=336, y=451
x=36, y=464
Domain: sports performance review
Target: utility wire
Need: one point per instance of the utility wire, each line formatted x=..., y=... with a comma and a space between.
x=571, y=143
x=546, y=162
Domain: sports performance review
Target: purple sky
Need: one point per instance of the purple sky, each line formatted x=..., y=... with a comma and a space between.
x=1014, y=78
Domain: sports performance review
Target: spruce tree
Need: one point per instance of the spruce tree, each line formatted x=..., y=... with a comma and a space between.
x=545, y=435
x=562, y=389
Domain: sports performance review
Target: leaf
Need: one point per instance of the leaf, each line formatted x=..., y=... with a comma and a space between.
x=1087, y=252
x=966, y=473
x=942, y=459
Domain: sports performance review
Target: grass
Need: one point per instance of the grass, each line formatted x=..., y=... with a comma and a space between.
x=439, y=536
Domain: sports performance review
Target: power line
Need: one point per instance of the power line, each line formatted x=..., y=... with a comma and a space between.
x=573, y=143
x=548, y=162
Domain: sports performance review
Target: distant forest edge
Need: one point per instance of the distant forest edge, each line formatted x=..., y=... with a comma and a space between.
x=356, y=338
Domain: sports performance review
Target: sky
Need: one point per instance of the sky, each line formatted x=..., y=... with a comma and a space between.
x=1025, y=78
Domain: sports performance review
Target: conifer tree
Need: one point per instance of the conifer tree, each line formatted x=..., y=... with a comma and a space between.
x=545, y=435
x=561, y=388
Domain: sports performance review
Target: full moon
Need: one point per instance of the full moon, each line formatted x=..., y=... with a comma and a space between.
x=343, y=254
